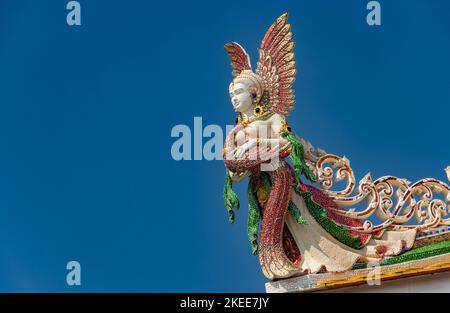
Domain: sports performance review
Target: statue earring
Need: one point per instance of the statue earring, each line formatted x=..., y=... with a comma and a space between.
x=258, y=110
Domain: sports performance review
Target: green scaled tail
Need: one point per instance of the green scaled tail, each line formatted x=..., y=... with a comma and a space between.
x=230, y=198
x=298, y=157
x=253, y=217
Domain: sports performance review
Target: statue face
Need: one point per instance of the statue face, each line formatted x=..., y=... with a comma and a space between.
x=240, y=97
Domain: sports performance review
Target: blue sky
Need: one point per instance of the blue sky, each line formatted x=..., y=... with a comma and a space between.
x=86, y=114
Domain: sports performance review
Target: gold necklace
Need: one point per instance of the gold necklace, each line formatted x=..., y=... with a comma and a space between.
x=245, y=120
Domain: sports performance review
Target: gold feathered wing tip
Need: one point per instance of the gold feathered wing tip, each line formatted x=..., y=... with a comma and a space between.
x=276, y=65
x=240, y=60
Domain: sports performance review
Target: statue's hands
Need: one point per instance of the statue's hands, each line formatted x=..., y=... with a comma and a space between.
x=240, y=151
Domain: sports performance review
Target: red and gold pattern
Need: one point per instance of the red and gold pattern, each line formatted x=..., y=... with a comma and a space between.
x=240, y=59
x=276, y=65
x=275, y=236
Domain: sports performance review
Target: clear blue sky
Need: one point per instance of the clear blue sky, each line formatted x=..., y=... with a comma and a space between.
x=86, y=113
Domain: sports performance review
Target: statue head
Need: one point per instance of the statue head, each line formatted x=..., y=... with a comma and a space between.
x=245, y=91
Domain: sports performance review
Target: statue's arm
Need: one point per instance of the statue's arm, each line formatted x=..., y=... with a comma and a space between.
x=270, y=139
x=276, y=127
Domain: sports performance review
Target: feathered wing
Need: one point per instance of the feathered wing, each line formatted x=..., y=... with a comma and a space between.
x=276, y=65
x=240, y=60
